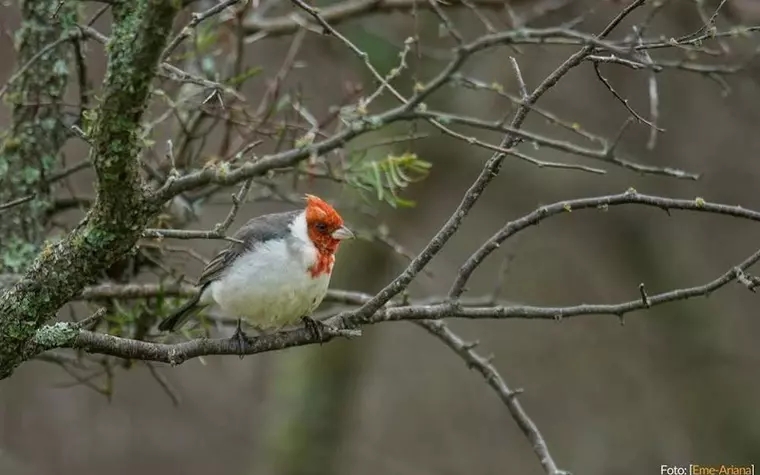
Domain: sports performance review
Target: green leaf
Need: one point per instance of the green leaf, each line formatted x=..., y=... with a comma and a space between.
x=386, y=178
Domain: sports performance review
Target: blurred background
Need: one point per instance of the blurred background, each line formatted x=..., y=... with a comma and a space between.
x=675, y=385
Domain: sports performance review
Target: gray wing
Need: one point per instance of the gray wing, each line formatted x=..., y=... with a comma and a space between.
x=257, y=230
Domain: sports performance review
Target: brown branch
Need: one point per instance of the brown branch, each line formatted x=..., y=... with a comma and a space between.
x=405, y=111
x=606, y=153
x=344, y=11
x=600, y=202
x=16, y=202
x=196, y=20
x=493, y=378
x=177, y=353
x=489, y=172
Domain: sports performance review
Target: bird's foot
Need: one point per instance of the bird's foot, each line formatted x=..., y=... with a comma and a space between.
x=315, y=328
x=240, y=339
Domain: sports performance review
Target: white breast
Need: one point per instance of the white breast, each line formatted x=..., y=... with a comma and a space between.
x=271, y=286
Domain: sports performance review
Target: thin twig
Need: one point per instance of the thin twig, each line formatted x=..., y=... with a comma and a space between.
x=622, y=100
x=489, y=172
x=197, y=18
x=599, y=202
x=493, y=378
x=16, y=202
x=219, y=230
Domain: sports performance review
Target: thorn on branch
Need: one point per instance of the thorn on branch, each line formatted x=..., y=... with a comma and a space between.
x=654, y=96
x=173, y=172
x=516, y=392
x=644, y=296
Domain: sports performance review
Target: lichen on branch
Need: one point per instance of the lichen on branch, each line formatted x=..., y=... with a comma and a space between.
x=29, y=148
x=112, y=226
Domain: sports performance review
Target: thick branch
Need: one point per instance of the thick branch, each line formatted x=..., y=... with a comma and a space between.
x=120, y=213
x=69, y=336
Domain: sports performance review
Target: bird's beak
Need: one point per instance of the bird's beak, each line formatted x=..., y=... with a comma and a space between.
x=342, y=233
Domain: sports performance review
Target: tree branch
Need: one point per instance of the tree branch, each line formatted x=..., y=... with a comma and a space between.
x=372, y=309
x=489, y=172
x=493, y=378
x=600, y=202
x=344, y=11
x=65, y=335
x=450, y=307
x=115, y=222
x=406, y=111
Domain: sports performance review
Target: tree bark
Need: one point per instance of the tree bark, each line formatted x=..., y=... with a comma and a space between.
x=113, y=225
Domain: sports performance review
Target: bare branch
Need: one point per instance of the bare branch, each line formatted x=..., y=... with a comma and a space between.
x=196, y=20
x=219, y=230
x=343, y=11
x=493, y=378
x=489, y=172
x=16, y=202
x=606, y=153
x=177, y=353
x=406, y=111
x=622, y=99
x=601, y=203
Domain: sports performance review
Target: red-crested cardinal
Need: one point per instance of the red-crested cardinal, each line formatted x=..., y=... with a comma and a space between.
x=277, y=272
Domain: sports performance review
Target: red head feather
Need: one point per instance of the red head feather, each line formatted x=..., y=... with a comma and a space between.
x=322, y=221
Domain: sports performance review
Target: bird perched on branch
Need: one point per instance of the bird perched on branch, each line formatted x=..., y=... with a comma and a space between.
x=275, y=273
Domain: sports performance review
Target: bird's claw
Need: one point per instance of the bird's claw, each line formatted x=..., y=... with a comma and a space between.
x=315, y=328
x=240, y=338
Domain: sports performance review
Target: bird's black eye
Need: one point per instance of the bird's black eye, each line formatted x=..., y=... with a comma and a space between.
x=321, y=227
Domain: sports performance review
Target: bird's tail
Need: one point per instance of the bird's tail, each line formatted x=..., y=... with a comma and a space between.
x=182, y=314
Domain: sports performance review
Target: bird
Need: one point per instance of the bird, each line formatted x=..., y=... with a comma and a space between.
x=275, y=272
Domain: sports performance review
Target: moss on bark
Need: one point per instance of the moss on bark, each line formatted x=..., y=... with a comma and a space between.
x=29, y=149
x=113, y=225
